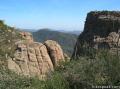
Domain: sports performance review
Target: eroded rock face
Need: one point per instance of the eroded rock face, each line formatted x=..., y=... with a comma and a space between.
x=31, y=60
x=55, y=52
x=35, y=59
x=102, y=30
x=111, y=42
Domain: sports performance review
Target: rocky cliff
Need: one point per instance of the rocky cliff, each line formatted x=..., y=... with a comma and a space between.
x=35, y=59
x=101, y=31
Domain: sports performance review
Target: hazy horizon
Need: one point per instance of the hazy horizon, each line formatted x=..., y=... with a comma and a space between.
x=54, y=14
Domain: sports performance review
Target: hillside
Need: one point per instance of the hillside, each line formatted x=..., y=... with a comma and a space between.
x=75, y=32
x=23, y=61
x=8, y=36
x=66, y=40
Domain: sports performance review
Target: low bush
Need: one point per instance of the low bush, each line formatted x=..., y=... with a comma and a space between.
x=102, y=70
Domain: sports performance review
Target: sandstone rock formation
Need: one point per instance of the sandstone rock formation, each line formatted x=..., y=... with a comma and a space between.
x=102, y=30
x=54, y=51
x=35, y=59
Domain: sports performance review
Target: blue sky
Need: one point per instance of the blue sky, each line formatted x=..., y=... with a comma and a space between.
x=54, y=14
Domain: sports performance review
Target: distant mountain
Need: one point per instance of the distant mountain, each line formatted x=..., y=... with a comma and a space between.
x=28, y=30
x=66, y=40
x=76, y=32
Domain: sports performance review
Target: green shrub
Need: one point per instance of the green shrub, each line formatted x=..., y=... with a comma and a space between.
x=10, y=80
x=103, y=69
x=57, y=81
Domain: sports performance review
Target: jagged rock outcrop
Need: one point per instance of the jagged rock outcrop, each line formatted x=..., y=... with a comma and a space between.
x=35, y=59
x=102, y=30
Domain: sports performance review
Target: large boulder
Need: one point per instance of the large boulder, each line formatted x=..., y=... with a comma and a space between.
x=31, y=60
x=55, y=52
x=102, y=30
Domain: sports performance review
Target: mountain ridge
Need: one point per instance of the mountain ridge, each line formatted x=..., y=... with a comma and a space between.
x=66, y=40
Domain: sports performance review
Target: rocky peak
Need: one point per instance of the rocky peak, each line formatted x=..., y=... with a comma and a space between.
x=102, y=30
x=102, y=22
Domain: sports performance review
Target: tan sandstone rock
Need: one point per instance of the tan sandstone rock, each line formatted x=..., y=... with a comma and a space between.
x=31, y=60
x=35, y=59
x=55, y=52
